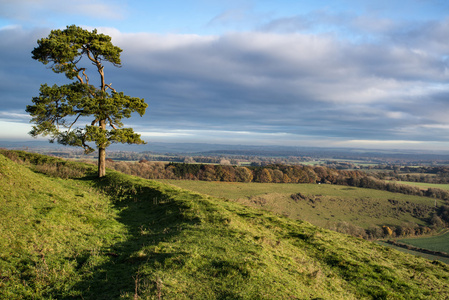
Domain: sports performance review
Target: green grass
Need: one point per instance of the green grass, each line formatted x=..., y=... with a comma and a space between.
x=424, y=185
x=417, y=253
x=50, y=229
x=436, y=243
x=329, y=204
x=124, y=237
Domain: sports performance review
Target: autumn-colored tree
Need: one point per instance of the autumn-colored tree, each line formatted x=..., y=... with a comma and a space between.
x=278, y=176
x=228, y=173
x=387, y=230
x=57, y=109
x=265, y=176
x=243, y=174
x=207, y=173
x=311, y=174
x=286, y=179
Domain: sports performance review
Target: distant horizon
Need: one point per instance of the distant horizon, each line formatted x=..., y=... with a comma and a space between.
x=208, y=147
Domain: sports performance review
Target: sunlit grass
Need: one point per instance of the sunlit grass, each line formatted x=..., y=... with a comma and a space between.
x=329, y=204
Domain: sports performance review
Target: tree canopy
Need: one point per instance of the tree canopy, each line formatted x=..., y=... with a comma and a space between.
x=58, y=110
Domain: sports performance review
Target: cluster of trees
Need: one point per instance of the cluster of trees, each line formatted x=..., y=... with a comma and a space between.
x=380, y=232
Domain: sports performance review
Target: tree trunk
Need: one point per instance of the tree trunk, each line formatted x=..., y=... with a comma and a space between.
x=101, y=162
x=102, y=154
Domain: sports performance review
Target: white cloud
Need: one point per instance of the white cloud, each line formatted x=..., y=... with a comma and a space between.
x=11, y=116
x=14, y=130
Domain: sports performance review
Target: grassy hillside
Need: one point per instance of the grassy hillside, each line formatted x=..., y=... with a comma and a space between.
x=324, y=205
x=124, y=237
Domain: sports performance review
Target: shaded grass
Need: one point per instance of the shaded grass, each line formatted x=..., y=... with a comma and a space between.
x=149, y=240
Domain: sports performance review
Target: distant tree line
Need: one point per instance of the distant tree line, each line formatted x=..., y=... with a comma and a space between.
x=426, y=174
x=276, y=173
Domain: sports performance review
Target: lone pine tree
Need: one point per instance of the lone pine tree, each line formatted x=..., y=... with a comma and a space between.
x=59, y=109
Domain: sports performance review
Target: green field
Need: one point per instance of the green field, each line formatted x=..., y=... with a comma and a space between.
x=327, y=205
x=417, y=253
x=124, y=237
x=423, y=185
x=435, y=243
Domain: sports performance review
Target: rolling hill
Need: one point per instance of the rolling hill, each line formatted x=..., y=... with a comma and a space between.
x=324, y=205
x=123, y=237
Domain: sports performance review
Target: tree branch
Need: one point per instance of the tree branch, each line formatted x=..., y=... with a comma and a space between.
x=112, y=124
x=70, y=127
x=89, y=55
x=109, y=86
x=85, y=75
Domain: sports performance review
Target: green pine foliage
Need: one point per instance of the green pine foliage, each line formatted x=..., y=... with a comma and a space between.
x=124, y=237
x=58, y=110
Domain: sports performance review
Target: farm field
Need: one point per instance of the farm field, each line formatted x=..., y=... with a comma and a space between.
x=425, y=255
x=324, y=205
x=424, y=185
x=436, y=243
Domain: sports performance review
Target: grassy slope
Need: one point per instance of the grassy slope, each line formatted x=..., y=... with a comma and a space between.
x=332, y=203
x=50, y=230
x=63, y=239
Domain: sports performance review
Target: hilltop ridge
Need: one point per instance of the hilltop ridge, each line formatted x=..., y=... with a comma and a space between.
x=124, y=237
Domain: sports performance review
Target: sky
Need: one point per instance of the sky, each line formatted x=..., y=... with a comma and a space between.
x=327, y=73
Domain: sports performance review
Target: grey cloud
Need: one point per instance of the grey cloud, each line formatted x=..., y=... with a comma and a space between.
x=20, y=76
x=287, y=81
x=329, y=22
x=430, y=35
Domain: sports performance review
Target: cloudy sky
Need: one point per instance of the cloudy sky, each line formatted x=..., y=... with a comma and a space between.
x=331, y=73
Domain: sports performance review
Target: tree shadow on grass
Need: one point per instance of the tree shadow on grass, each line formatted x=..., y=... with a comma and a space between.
x=150, y=217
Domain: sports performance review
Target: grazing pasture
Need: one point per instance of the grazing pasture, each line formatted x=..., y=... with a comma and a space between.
x=323, y=205
x=424, y=185
x=435, y=243
x=417, y=253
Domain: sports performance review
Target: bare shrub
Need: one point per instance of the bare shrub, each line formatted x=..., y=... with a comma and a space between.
x=60, y=170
